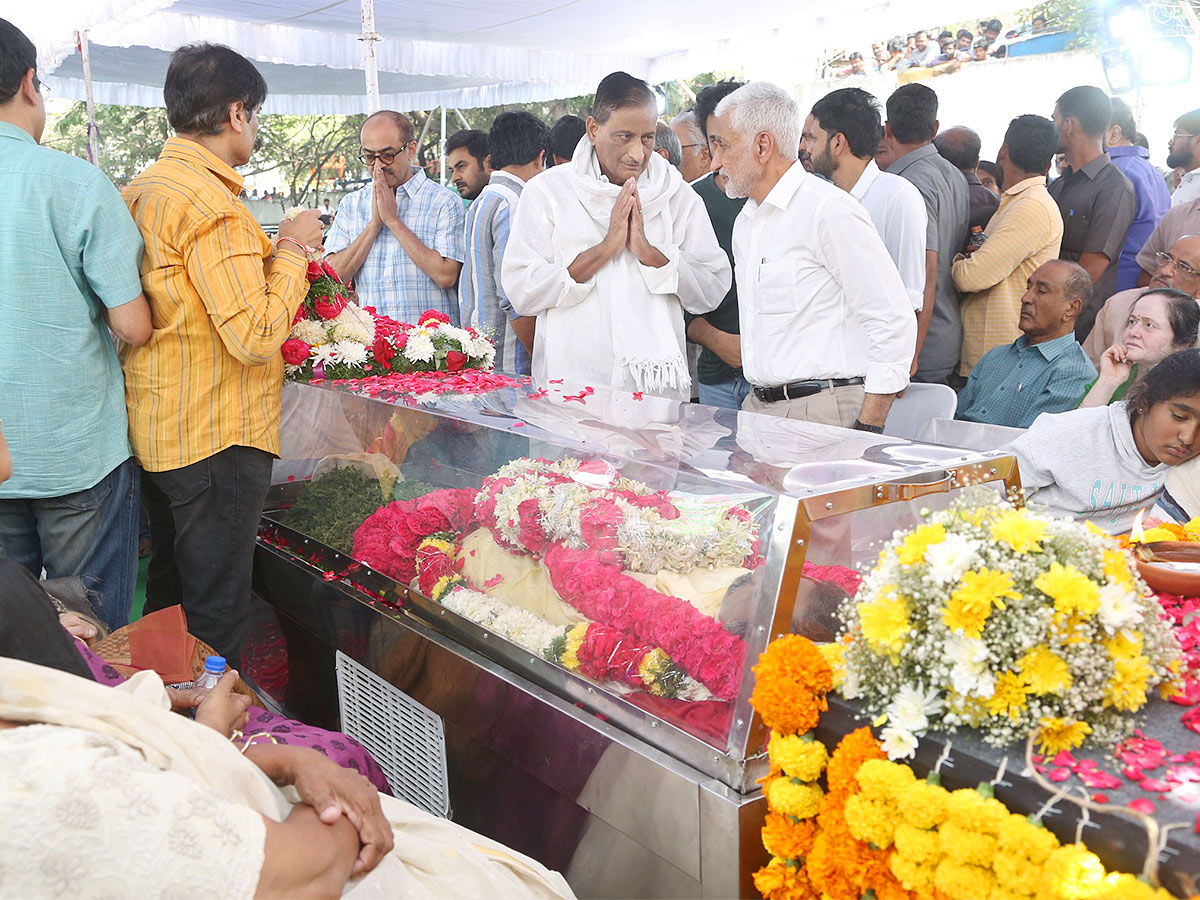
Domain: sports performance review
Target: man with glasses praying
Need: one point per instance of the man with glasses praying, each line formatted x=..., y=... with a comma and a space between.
x=401, y=237
x=1183, y=152
x=1178, y=268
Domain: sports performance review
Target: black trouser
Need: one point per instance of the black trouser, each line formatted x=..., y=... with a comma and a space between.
x=203, y=522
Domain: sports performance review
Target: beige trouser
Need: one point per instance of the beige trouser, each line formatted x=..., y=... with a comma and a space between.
x=832, y=406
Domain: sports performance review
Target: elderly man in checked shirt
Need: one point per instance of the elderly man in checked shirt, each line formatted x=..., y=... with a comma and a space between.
x=1045, y=369
x=401, y=237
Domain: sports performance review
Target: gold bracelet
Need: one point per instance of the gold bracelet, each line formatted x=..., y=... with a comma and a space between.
x=247, y=740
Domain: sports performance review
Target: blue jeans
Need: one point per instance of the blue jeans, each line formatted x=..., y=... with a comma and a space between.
x=91, y=533
x=727, y=394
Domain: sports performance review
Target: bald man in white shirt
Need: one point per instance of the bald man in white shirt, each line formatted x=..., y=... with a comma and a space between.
x=828, y=331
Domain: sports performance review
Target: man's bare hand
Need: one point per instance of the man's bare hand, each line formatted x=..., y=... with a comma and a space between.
x=385, y=200
x=647, y=253
x=304, y=227
x=618, y=220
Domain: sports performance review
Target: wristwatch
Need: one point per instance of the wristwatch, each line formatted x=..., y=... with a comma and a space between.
x=863, y=426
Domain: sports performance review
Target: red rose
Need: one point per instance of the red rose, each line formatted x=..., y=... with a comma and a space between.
x=401, y=340
x=432, y=315
x=383, y=352
x=295, y=351
x=329, y=270
x=314, y=271
x=326, y=308
x=455, y=361
x=301, y=313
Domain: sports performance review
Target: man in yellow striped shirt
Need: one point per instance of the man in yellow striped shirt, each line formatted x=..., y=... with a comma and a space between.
x=1024, y=233
x=204, y=394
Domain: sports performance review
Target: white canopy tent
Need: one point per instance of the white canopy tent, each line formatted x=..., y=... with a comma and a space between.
x=460, y=53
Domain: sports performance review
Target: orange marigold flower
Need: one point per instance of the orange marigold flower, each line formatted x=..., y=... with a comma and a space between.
x=852, y=751
x=786, y=839
x=791, y=681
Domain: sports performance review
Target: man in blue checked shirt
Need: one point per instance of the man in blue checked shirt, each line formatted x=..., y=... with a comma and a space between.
x=517, y=143
x=1044, y=370
x=401, y=237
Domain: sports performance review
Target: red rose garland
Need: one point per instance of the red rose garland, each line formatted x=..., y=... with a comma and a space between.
x=599, y=651
x=387, y=541
x=595, y=584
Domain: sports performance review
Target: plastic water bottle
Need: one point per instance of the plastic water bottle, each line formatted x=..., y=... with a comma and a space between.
x=214, y=668
x=977, y=237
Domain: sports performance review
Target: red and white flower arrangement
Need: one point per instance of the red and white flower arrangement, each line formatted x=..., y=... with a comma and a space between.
x=333, y=338
x=531, y=504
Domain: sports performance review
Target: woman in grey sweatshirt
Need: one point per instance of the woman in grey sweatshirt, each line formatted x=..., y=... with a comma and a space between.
x=1108, y=462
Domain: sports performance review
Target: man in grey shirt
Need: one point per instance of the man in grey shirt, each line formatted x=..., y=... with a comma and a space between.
x=909, y=151
x=1096, y=200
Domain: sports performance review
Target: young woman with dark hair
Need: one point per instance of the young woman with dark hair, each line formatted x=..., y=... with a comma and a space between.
x=1106, y=463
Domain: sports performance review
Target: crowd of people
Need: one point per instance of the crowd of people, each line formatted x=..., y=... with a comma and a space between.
x=921, y=50
x=821, y=261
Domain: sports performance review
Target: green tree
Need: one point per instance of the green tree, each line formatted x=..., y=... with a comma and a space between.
x=130, y=137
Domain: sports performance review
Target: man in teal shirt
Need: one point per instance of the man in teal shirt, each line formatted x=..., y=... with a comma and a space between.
x=69, y=253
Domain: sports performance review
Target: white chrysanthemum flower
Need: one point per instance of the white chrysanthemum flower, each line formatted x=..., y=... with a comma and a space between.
x=309, y=331
x=326, y=353
x=969, y=671
x=911, y=708
x=349, y=327
x=950, y=558
x=1118, y=608
x=898, y=743
x=420, y=346
x=351, y=352
x=289, y=370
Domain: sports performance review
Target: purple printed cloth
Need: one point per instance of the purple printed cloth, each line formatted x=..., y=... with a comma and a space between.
x=342, y=749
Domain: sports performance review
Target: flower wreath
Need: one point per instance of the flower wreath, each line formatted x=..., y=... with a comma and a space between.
x=530, y=504
x=599, y=651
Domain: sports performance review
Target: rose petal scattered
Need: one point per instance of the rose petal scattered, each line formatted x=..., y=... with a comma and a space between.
x=1065, y=758
x=1059, y=774
x=1099, y=798
x=493, y=581
x=1142, y=805
x=1155, y=785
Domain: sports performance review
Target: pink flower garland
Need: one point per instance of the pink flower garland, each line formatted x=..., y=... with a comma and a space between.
x=595, y=584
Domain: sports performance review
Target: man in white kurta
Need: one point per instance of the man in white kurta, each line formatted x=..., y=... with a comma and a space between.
x=609, y=250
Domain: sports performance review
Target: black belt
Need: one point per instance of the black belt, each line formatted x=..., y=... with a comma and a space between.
x=797, y=389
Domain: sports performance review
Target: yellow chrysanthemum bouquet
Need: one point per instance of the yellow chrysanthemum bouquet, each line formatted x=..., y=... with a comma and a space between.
x=996, y=618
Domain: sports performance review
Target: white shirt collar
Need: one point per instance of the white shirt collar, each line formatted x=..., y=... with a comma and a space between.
x=865, y=180
x=787, y=185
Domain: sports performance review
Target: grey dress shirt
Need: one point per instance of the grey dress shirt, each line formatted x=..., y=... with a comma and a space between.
x=948, y=207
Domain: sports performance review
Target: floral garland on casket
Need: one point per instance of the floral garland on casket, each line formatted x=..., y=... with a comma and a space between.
x=1013, y=623
x=595, y=525
x=333, y=338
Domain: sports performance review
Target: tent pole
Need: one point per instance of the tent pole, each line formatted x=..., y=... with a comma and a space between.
x=93, y=130
x=442, y=147
x=369, y=37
